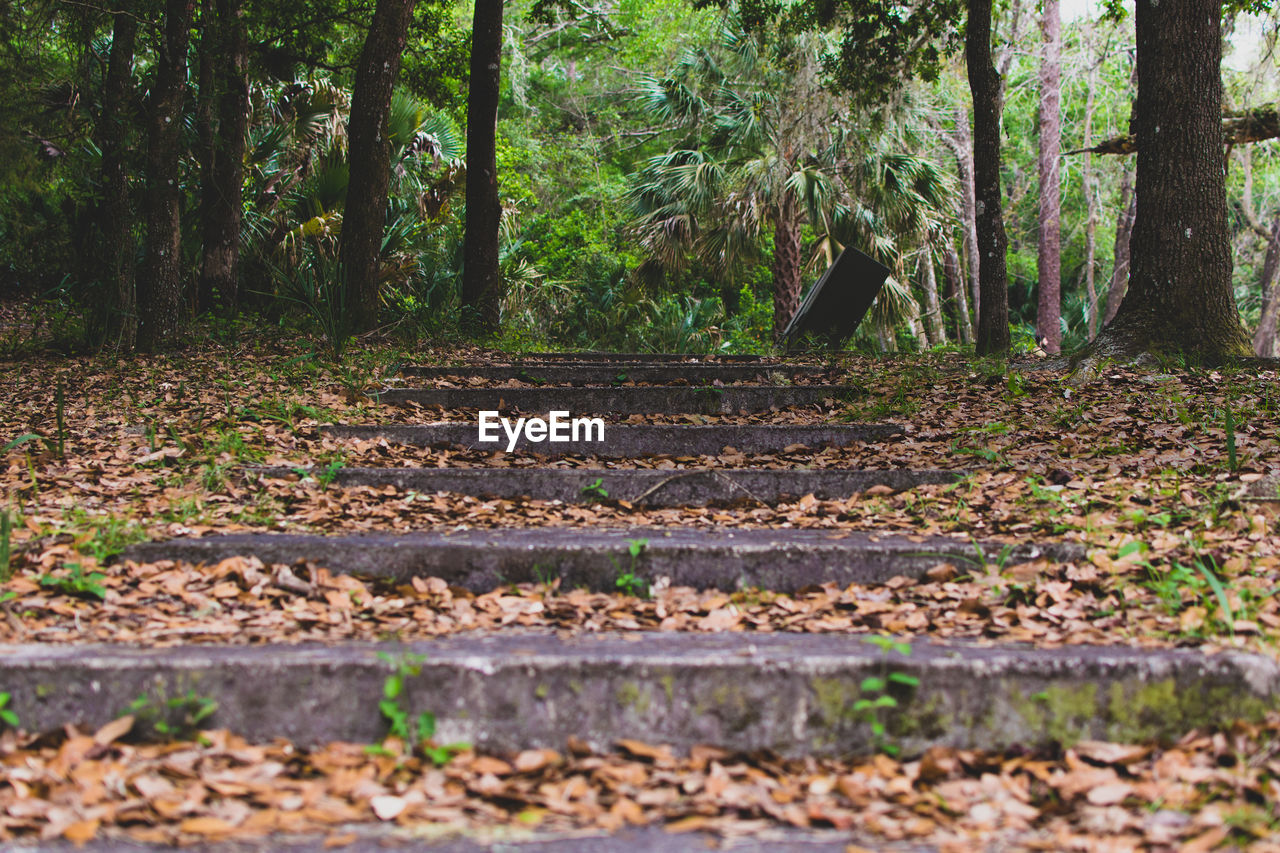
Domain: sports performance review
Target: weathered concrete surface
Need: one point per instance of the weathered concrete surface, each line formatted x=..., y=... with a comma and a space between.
x=634, y=400
x=602, y=357
x=379, y=837
x=793, y=693
x=630, y=440
x=617, y=374
x=638, y=486
x=481, y=560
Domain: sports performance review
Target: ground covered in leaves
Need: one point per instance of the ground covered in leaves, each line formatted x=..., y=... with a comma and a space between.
x=1209, y=789
x=1168, y=477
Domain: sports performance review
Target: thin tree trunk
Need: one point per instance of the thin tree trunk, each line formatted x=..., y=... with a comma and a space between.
x=1124, y=232
x=115, y=320
x=956, y=289
x=786, y=264
x=220, y=268
x=209, y=50
x=984, y=82
x=481, y=277
x=1180, y=297
x=961, y=145
x=1049, y=266
x=160, y=280
x=1264, y=339
x=369, y=156
x=933, y=320
x=1088, y=184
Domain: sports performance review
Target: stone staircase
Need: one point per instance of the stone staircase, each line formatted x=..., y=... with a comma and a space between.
x=515, y=689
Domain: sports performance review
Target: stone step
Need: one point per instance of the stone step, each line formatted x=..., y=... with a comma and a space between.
x=638, y=486
x=617, y=374
x=591, y=402
x=383, y=837
x=791, y=693
x=481, y=560
x=589, y=357
x=633, y=440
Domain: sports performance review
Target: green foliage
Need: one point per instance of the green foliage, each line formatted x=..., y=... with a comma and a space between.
x=415, y=732
x=877, y=700
x=628, y=582
x=75, y=582
x=176, y=718
x=7, y=716
x=595, y=491
x=6, y=545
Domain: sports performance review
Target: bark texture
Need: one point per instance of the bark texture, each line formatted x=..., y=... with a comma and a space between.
x=1264, y=339
x=1049, y=265
x=1179, y=297
x=961, y=145
x=223, y=204
x=369, y=156
x=481, y=277
x=1241, y=127
x=934, y=326
x=984, y=82
x=114, y=320
x=1124, y=231
x=786, y=264
x=956, y=291
x=160, y=280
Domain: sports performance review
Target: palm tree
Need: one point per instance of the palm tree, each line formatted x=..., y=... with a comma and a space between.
x=764, y=149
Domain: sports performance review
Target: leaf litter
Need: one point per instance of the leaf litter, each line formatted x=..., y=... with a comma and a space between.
x=1174, y=498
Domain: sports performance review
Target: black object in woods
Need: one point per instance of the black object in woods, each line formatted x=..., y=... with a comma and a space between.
x=835, y=306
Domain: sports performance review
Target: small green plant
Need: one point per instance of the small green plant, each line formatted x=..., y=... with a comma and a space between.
x=7, y=716
x=76, y=582
x=1200, y=582
x=877, y=701
x=595, y=491
x=1229, y=427
x=178, y=718
x=330, y=473
x=19, y=441
x=59, y=411
x=414, y=732
x=6, y=546
x=628, y=582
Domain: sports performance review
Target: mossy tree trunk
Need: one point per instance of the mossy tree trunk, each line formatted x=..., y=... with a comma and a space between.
x=1179, y=298
x=114, y=321
x=369, y=156
x=993, y=243
x=160, y=280
x=481, y=276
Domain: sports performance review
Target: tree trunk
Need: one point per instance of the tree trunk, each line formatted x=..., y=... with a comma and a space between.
x=223, y=205
x=160, y=280
x=481, y=277
x=961, y=145
x=1264, y=339
x=206, y=122
x=115, y=320
x=934, y=326
x=984, y=82
x=369, y=159
x=1180, y=297
x=956, y=289
x=786, y=264
x=1088, y=184
x=1124, y=232
x=1049, y=264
